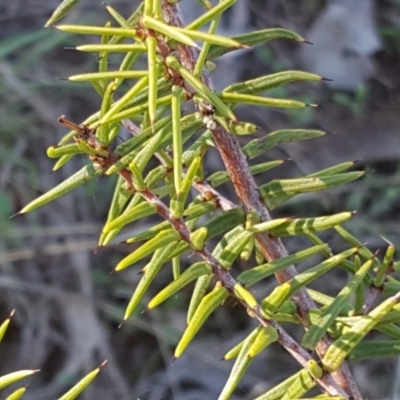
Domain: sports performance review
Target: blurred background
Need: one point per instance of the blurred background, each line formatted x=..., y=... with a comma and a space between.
x=69, y=307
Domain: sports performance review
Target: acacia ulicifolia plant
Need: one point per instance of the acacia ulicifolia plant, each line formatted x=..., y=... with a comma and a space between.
x=178, y=56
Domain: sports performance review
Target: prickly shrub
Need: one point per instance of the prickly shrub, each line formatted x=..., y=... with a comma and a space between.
x=149, y=103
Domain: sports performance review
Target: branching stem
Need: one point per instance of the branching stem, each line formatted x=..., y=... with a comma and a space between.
x=246, y=189
x=223, y=275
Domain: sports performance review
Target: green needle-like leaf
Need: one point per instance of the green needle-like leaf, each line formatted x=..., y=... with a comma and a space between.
x=274, y=300
x=102, y=64
x=387, y=260
x=17, y=394
x=75, y=391
x=248, y=250
x=178, y=203
x=198, y=148
x=197, y=238
x=260, y=146
x=161, y=240
x=364, y=251
x=334, y=170
x=86, y=148
x=272, y=81
x=176, y=267
x=61, y=162
x=136, y=209
x=199, y=292
x=236, y=128
x=61, y=11
x=266, y=335
x=125, y=99
x=118, y=17
x=311, y=274
x=203, y=90
x=359, y=292
x=149, y=149
x=177, y=136
x=205, y=3
x=132, y=21
x=211, y=14
x=342, y=347
x=97, y=76
x=233, y=249
x=193, y=272
x=142, y=157
x=301, y=385
x=151, y=43
x=158, y=10
x=278, y=191
x=198, y=210
x=254, y=38
x=103, y=131
x=189, y=124
x=245, y=296
x=9, y=379
x=202, y=58
x=225, y=222
x=212, y=38
x=374, y=349
x=169, y=31
x=112, y=48
x=67, y=150
x=149, y=233
x=150, y=271
x=97, y=30
x=234, y=352
x=267, y=225
x=220, y=177
x=306, y=225
x=86, y=174
x=4, y=325
x=119, y=200
x=148, y=7
x=260, y=101
x=254, y=275
x=277, y=392
x=135, y=142
x=323, y=178
x=207, y=305
x=319, y=328
x=239, y=368
x=137, y=178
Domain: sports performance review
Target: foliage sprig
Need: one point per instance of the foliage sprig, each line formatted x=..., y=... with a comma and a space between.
x=151, y=110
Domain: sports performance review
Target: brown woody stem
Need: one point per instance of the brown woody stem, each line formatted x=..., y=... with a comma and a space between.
x=246, y=189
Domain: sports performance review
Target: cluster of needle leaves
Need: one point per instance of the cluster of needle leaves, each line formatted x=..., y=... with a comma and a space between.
x=13, y=377
x=179, y=57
